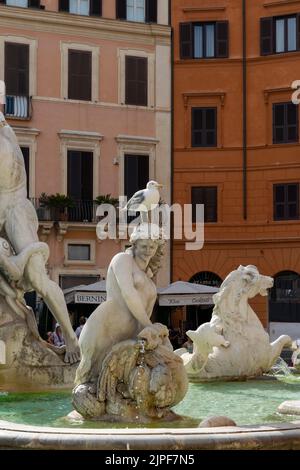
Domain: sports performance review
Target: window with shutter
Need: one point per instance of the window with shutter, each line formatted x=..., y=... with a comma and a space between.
x=81, y=7
x=136, y=173
x=204, y=127
x=151, y=11
x=79, y=75
x=222, y=28
x=206, y=195
x=204, y=40
x=279, y=34
x=286, y=201
x=121, y=9
x=16, y=75
x=136, y=81
x=285, y=123
x=17, y=3
x=64, y=5
x=135, y=10
x=80, y=175
x=80, y=185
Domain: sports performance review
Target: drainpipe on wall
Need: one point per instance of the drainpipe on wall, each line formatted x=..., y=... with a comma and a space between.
x=172, y=142
x=244, y=111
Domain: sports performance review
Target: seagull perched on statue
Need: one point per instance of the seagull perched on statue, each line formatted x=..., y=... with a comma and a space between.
x=146, y=199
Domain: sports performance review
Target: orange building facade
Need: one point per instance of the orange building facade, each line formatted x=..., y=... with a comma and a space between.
x=236, y=143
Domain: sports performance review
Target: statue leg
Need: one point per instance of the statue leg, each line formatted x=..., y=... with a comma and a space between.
x=21, y=229
x=35, y=272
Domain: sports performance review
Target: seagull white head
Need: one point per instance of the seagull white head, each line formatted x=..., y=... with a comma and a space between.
x=153, y=185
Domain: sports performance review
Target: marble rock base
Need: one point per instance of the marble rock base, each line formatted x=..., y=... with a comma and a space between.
x=289, y=407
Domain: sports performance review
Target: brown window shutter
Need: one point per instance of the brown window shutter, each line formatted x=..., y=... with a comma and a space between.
x=266, y=36
x=136, y=173
x=210, y=209
x=64, y=5
x=136, y=81
x=222, y=39
x=209, y=197
x=96, y=7
x=17, y=69
x=186, y=40
x=151, y=11
x=298, y=32
x=80, y=75
x=34, y=3
x=121, y=9
x=80, y=175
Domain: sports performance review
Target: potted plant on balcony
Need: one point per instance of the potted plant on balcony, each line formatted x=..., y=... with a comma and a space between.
x=58, y=205
x=106, y=199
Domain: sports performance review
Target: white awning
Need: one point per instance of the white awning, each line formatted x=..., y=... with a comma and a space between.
x=186, y=293
x=177, y=294
x=90, y=294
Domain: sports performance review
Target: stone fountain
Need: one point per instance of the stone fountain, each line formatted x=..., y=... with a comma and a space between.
x=27, y=358
x=234, y=345
x=128, y=370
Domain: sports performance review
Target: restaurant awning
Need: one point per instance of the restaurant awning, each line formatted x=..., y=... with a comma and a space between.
x=90, y=294
x=176, y=294
x=186, y=293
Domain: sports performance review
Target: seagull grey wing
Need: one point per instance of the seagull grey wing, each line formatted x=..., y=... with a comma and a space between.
x=137, y=199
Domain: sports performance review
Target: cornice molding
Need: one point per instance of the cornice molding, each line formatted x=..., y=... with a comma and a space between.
x=26, y=130
x=204, y=94
x=201, y=9
x=129, y=139
x=80, y=135
x=76, y=25
x=280, y=3
x=269, y=91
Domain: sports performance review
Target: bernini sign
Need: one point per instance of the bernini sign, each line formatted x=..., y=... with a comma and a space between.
x=86, y=298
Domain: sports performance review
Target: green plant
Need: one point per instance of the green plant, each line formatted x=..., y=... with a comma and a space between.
x=57, y=201
x=106, y=199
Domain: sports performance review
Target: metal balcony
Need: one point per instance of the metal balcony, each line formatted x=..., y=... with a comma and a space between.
x=83, y=211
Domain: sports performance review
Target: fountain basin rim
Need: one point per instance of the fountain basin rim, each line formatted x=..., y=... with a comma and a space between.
x=271, y=436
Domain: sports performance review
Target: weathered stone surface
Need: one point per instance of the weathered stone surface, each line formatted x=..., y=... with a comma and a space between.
x=128, y=370
x=289, y=407
x=234, y=344
x=216, y=421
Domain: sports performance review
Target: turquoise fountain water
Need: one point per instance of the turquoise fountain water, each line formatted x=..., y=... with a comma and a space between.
x=249, y=402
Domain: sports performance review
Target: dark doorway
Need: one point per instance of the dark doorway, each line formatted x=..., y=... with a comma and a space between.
x=199, y=314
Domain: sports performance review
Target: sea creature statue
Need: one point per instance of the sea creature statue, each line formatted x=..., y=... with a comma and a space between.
x=128, y=369
x=234, y=344
x=22, y=269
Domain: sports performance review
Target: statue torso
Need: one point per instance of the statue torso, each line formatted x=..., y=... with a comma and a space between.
x=12, y=168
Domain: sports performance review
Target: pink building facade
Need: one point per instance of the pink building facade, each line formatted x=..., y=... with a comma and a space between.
x=88, y=87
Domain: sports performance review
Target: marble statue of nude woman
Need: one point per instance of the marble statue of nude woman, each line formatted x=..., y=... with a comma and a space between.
x=131, y=295
x=19, y=226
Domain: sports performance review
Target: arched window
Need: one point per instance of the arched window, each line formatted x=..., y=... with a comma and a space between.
x=207, y=278
x=284, y=304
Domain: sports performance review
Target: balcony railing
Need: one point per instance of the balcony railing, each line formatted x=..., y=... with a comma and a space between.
x=82, y=211
x=18, y=107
